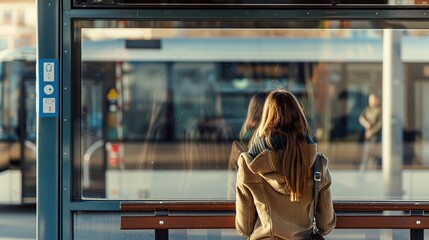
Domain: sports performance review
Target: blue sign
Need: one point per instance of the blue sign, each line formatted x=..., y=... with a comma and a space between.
x=48, y=87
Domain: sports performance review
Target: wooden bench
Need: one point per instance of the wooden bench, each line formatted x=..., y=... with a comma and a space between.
x=161, y=216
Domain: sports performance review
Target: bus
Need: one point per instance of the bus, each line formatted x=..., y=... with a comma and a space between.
x=180, y=103
x=169, y=108
x=18, y=126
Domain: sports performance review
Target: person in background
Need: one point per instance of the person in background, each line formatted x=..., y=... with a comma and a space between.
x=371, y=121
x=254, y=112
x=274, y=198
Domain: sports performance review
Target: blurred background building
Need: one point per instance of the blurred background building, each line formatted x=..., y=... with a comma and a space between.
x=18, y=22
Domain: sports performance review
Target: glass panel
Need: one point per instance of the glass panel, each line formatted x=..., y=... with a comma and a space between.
x=105, y=226
x=160, y=107
x=121, y=3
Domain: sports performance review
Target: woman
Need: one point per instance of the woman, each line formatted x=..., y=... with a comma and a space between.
x=254, y=113
x=274, y=198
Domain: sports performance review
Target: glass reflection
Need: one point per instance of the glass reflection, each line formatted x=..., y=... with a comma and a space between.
x=160, y=107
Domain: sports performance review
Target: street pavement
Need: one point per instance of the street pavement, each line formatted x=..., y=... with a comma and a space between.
x=17, y=222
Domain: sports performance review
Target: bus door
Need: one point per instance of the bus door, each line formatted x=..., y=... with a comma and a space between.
x=18, y=132
x=93, y=165
x=27, y=133
x=10, y=174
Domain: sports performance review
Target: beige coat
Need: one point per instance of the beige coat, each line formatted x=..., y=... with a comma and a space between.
x=263, y=208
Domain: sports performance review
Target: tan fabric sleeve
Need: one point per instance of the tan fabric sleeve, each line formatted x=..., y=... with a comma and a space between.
x=326, y=217
x=245, y=217
x=237, y=148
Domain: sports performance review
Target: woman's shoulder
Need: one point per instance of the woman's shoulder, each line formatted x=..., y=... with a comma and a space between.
x=324, y=163
x=239, y=146
x=324, y=160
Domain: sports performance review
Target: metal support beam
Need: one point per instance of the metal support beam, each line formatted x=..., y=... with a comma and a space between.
x=161, y=233
x=417, y=234
x=48, y=217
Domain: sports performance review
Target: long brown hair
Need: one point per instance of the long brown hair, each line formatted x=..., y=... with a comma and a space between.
x=284, y=117
x=254, y=113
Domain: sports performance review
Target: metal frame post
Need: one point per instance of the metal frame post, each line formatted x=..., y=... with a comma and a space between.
x=417, y=234
x=48, y=171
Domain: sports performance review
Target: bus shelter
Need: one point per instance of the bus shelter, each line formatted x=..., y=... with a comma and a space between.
x=138, y=103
